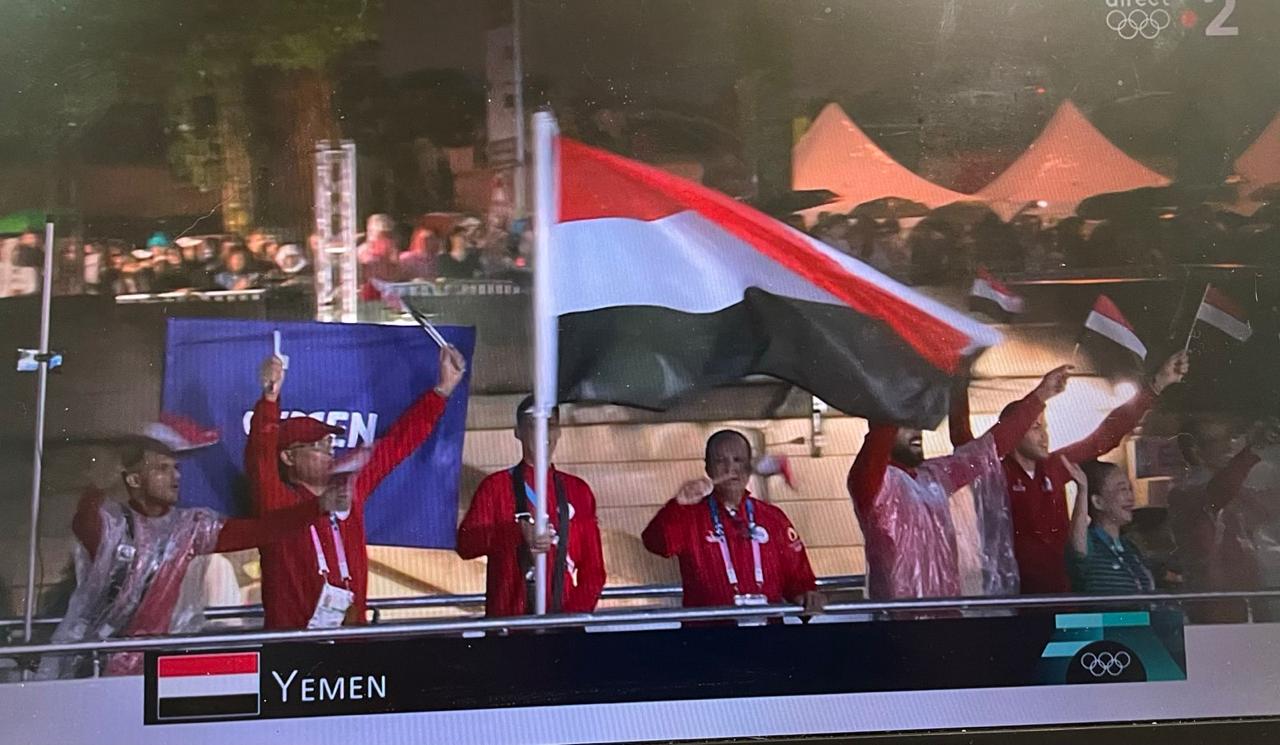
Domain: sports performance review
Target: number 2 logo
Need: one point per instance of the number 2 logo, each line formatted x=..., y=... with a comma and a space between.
x=1218, y=27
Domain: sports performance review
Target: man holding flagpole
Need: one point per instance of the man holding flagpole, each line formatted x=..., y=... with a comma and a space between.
x=658, y=287
x=499, y=525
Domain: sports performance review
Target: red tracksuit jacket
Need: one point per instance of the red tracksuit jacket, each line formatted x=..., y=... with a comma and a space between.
x=489, y=529
x=686, y=531
x=290, y=574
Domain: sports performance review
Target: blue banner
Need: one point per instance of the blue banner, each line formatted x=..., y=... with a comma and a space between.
x=357, y=376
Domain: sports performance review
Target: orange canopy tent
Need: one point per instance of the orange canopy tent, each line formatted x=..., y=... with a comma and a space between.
x=836, y=155
x=1258, y=166
x=1070, y=161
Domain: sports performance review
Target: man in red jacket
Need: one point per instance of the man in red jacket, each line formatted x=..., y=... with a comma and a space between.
x=499, y=525
x=316, y=577
x=1037, y=478
x=733, y=548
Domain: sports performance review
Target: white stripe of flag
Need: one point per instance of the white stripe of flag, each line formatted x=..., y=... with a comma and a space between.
x=207, y=685
x=1116, y=332
x=985, y=288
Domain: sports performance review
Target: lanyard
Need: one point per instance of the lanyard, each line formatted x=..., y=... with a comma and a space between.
x=1122, y=558
x=339, y=548
x=722, y=539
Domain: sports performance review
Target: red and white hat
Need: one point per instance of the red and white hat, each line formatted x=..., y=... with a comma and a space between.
x=180, y=434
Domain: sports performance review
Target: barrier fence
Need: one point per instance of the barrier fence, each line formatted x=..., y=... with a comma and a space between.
x=377, y=606
x=647, y=617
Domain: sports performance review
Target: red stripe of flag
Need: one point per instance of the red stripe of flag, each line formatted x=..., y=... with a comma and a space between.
x=207, y=664
x=995, y=284
x=1105, y=307
x=1223, y=302
x=598, y=184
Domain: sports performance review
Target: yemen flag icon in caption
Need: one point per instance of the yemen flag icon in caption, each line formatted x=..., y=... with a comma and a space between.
x=207, y=686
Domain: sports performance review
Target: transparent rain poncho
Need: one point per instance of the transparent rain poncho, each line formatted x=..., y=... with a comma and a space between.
x=132, y=586
x=911, y=539
x=990, y=492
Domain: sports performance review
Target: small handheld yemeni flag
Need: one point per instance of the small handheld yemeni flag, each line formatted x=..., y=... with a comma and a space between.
x=1223, y=313
x=1106, y=320
x=207, y=686
x=988, y=295
x=663, y=287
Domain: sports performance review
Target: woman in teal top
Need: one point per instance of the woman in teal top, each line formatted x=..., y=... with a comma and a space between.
x=1099, y=560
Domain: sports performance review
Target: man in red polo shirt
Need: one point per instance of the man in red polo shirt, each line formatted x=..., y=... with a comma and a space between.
x=1037, y=478
x=316, y=577
x=733, y=548
x=497, y=528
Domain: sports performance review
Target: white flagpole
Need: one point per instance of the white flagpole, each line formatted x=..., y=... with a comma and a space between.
x=37, y=460
x=1187, y=347
x=546, y=192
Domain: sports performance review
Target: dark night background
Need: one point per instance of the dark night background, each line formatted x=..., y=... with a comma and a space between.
x=954, y=89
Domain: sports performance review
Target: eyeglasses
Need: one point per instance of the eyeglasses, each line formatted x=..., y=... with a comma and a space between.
x=320, y=446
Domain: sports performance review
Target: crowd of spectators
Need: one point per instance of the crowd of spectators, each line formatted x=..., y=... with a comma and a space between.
x=442, y=247
x=453, y=248
x=947, y=244
x=163, y=265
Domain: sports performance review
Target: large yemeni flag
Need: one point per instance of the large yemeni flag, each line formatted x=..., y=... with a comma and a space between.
x=207, y=686
x=1223, y=313
x=1107, y=321
x=663, y=287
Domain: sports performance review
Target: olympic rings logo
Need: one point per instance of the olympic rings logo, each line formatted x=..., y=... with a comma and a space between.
x=1138, y=22
x=1105, y=663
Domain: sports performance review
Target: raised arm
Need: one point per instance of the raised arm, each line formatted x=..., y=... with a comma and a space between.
x=412, y=428
x=1121, y=421
x=867, y=474
x=261, y=459
x=405, y=436
x=268, y=490
x=1017, y=419
x=1126, y=417
x=240, y=533
x=958, y=419
x=1227, y=483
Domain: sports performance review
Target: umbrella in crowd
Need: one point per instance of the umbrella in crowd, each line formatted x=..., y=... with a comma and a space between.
x=886, y=208
x=1151, y=199
x=961, y=213
x=795, y=201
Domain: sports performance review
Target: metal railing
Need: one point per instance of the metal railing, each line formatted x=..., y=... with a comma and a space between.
x=376, y=606
x=453, y=287
x=192, y=296
x=460, y=626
